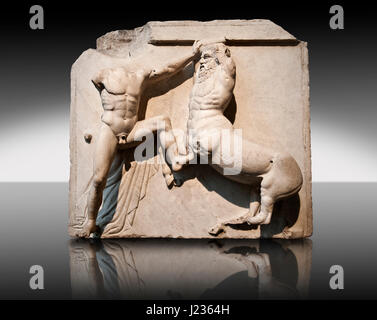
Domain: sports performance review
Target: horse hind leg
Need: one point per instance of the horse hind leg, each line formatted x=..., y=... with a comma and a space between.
x=220, y=226
x=283, y=180
x=240, y=219
x=266, y=208
x=255, y=202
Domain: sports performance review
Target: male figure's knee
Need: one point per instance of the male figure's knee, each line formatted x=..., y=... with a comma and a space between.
x=164, y=118
x=164, y=123
x=99, y=181
x=166, y=139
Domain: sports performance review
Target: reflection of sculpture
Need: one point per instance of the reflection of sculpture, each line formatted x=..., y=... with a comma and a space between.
x=190, y=270
x=105, y=270
x=257, y=262
x=277, y=172
x=120, y=89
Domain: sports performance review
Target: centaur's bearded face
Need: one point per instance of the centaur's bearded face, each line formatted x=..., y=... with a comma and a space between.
x=207, y=64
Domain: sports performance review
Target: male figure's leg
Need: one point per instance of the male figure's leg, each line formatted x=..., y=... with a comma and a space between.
x=106, y=147
x=169, y=146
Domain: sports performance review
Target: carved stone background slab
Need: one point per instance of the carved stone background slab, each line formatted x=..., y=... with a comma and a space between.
x=271, y=106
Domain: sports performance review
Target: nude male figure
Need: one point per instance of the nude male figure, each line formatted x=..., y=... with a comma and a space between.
x=121, y=89
x=275, y=172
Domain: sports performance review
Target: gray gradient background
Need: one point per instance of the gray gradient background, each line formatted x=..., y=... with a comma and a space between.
x=34, y=134
x=35, y=85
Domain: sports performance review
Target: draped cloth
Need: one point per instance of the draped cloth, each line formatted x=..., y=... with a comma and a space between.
x=126, y=186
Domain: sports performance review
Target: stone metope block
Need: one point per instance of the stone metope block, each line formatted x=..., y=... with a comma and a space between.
x=247, y=78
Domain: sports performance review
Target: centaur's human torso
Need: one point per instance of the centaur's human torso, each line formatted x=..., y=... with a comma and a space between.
x=209, y=98
x=207, y=126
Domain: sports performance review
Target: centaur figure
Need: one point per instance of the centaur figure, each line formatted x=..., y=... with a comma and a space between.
x=211, y=135
x=121, y=89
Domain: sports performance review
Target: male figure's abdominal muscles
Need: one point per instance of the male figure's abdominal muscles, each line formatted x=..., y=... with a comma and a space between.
x=117, y=123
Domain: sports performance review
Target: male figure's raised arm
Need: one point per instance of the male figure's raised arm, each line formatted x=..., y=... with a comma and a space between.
x=173, y=67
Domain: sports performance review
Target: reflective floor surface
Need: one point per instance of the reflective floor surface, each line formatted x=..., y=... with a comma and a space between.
x=34, y=232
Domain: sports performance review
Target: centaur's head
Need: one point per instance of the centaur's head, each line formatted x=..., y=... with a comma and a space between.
x=212, y=56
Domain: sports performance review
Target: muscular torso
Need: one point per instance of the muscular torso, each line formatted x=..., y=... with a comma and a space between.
x=208, y=101
x=120, y=110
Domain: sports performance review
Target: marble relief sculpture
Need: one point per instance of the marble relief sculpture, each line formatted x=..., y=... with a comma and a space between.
x=191, y=130
x=120, y=90
x=277, y=173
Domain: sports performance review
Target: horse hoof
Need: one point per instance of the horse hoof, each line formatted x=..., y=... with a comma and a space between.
x=216, y=230
x=169, y=179
x=177, y=167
